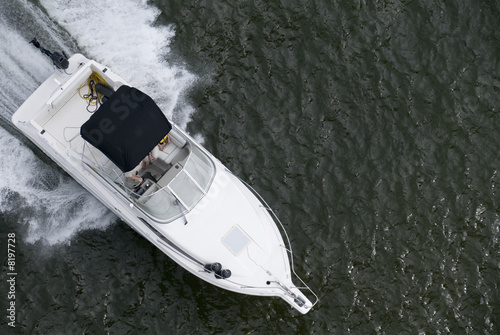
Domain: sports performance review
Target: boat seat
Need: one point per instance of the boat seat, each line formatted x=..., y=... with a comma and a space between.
x=171, y=150
x=171, y=173
x=69, y=89
x=177, y=139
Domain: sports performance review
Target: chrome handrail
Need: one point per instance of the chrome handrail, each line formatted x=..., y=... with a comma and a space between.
x=289, y=249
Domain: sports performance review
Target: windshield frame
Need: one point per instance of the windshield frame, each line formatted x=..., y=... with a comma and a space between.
x=172, y=191
x=197, y=160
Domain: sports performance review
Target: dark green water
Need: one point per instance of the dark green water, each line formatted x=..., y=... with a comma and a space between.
x=372, y=129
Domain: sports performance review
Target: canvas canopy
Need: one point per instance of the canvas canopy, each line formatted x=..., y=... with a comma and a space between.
x=126, y=127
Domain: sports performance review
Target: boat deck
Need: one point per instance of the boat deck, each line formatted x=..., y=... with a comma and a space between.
x=60, y=120
x=65, y=126
x=66, y=112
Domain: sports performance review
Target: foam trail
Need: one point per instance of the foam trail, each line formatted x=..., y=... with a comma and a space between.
x=22, y=69
x=120, y=34
x=50, y=205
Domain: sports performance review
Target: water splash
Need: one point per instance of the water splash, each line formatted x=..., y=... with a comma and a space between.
x=21, y=67
x=49, y=204
x=122, y=36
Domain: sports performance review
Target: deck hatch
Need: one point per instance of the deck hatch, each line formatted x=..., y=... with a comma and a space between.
x=236, y=240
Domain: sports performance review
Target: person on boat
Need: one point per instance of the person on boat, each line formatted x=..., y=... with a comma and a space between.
x=164, y=142
x=136, y=173
x=158, y=150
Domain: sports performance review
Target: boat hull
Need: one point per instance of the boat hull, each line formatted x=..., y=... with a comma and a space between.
x=230, y=225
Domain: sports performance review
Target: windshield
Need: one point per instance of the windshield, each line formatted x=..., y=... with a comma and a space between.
x=181, y=186
x=168, y=201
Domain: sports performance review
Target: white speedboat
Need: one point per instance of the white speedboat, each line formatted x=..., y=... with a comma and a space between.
x=178, y=196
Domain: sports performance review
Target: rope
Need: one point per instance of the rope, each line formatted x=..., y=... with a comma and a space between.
x=92, y=97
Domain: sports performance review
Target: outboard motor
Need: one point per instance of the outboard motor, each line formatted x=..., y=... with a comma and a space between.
x=59, y=60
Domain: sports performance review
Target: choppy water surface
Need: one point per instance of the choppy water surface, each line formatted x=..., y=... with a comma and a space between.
x=372, y=129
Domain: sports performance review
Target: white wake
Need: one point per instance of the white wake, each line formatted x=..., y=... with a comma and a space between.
x=50, y=205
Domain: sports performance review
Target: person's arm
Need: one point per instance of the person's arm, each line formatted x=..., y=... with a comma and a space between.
x=137, y=178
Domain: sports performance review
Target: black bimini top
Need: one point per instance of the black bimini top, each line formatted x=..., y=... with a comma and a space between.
x=126, y=127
